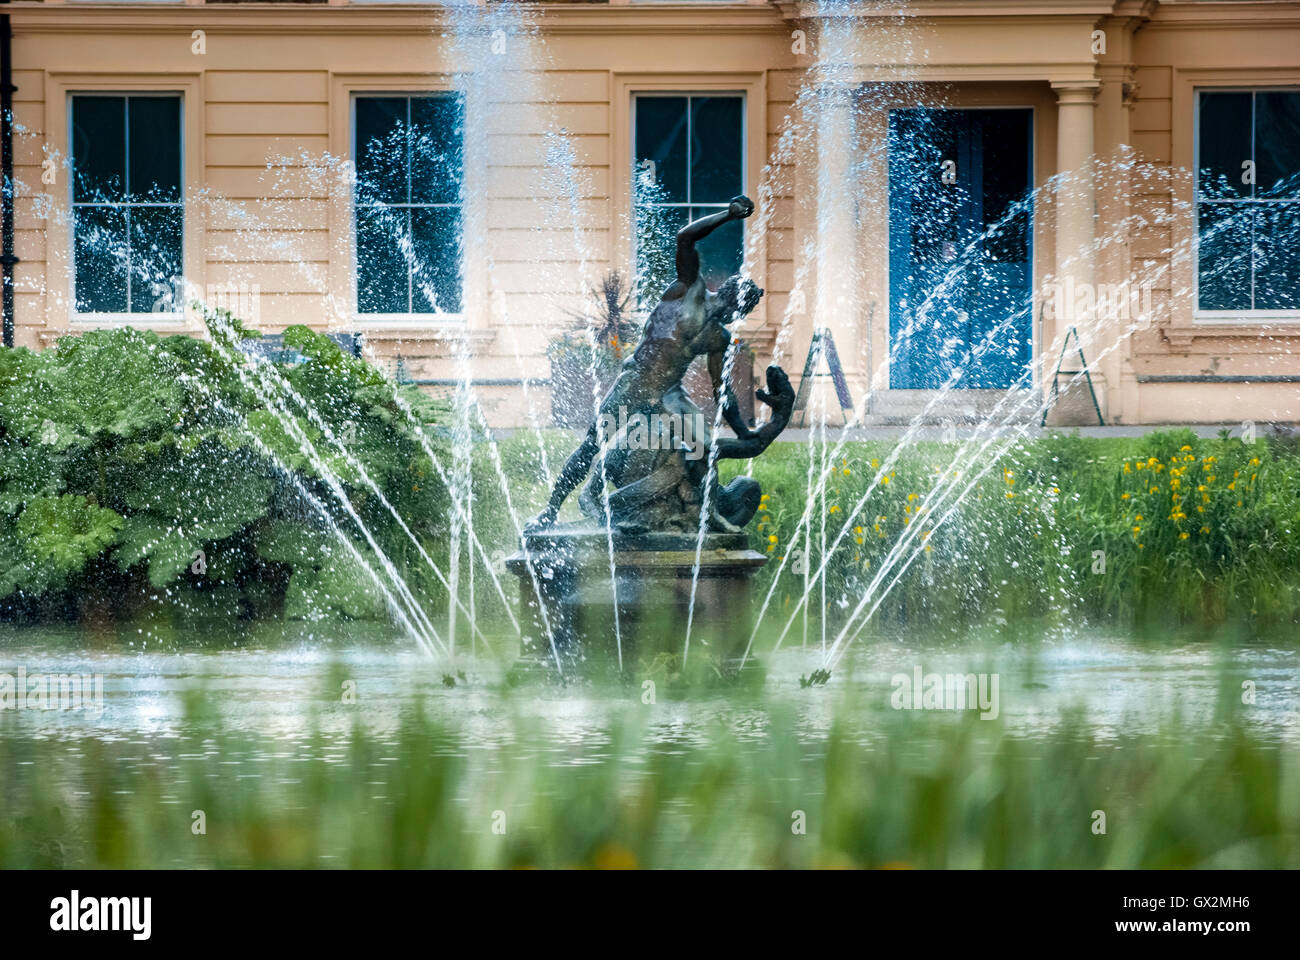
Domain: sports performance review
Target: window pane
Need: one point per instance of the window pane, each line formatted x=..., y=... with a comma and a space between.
x=1277, y=144
x=1224, y=144
x=1005, y=169
x=1277, y=257
x=155, y=129
x=656, y=249
x=381, y=149
x=435, y=234
x=721, y=251
x=436, y=153
x=661, y=138
x=98, y=149
x=381, y=268
x=155, y=258
x=100, y=253
x=716, y=149
x=1225, y=256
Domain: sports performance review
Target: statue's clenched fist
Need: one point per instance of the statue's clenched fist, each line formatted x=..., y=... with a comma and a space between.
x=740, y=207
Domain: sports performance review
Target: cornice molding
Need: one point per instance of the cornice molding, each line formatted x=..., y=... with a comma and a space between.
x=633, y=18
x=371, y=19
x=950, y=9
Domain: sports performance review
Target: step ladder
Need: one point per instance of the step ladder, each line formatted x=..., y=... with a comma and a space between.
x=822, y=346
x=1083, y=369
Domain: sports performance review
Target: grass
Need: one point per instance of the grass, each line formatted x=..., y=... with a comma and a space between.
x=881, y=789
x=1167, y=528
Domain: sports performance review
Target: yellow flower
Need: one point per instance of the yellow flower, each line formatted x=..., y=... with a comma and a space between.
x=1123, y=496
x=1184, y=535
x=772, y=538
x=835, y=508
x=857, y=529
x=875, y=464
x=1154, y=490
x=1137, y=530
x=1205, y=529
x=911, y=497
x=1184, y=448
x=1141, y=465
x=884, y=481
x=1138, y=518
x=846, y=471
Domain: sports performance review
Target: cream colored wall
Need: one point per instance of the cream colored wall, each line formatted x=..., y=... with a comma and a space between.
x=277, y=81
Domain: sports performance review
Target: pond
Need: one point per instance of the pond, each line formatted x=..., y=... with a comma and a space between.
x=298, y=733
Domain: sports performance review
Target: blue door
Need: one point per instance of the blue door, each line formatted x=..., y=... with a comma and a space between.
x=959, y=247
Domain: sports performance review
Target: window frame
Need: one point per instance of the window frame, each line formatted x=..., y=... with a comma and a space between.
x=409, y=319
x=170, y=318
x=755, y=85
x=1249, y=316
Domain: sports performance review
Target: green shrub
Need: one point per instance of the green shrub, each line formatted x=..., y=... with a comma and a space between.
x=158, y=472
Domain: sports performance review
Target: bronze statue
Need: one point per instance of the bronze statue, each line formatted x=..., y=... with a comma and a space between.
x=661, y=465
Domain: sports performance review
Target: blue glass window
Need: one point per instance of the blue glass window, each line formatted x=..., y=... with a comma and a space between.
x=127, y=203
x=1248, y=200
x=409, y=161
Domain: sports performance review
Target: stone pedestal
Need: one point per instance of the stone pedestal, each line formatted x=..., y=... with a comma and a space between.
x=566, y=584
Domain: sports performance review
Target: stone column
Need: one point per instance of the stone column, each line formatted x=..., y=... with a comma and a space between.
x=1076, y=229
x=1076, y=201
x=836, y=239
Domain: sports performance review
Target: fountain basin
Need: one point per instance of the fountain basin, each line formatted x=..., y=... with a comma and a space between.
x=567, y=593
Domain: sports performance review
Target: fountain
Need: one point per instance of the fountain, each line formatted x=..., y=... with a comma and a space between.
x=632, y=571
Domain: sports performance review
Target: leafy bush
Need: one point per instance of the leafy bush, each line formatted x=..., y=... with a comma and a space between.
x=136, y=468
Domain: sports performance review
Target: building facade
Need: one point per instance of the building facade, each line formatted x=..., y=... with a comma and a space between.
x=946, y=186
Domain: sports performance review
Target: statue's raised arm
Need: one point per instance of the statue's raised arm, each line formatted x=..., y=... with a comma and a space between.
x=688, y=258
